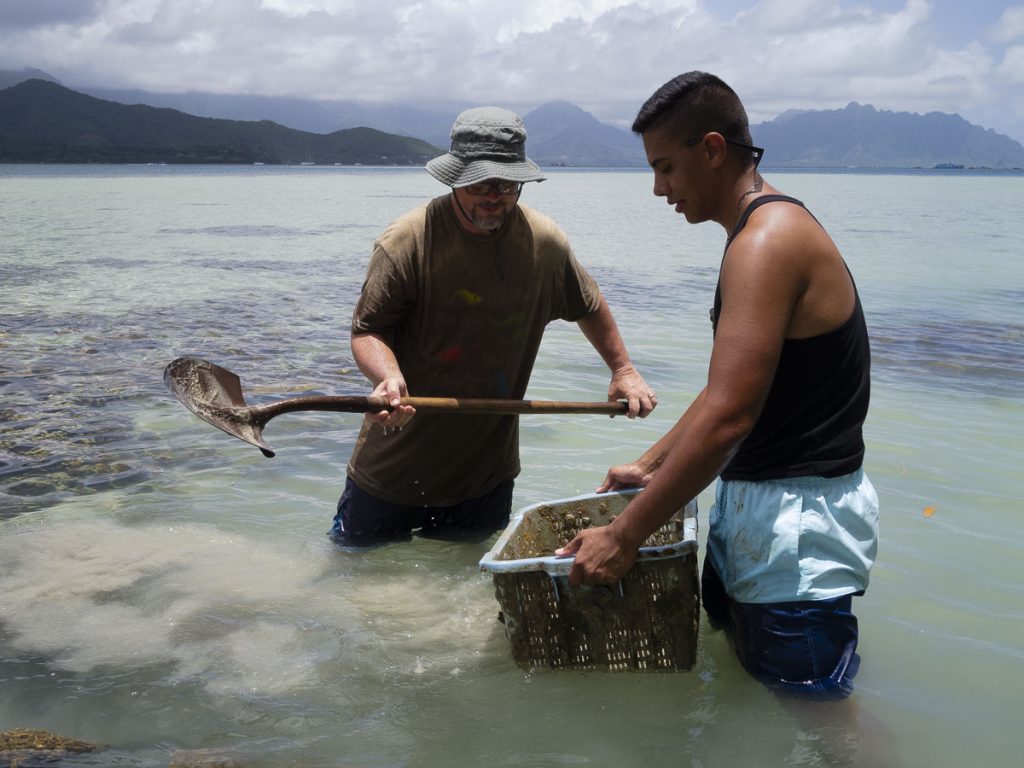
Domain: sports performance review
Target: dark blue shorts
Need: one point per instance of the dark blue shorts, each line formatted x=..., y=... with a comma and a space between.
x=363, y=519
x=806, y=649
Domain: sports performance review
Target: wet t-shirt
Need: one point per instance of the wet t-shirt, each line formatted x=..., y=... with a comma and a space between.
x=464, y=315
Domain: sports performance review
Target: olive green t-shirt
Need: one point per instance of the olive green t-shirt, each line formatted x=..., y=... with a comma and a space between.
x=464, y=315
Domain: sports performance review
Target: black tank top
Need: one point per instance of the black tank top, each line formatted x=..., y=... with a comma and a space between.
x=812, y=420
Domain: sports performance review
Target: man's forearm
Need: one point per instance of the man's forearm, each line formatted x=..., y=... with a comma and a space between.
x=652, y=459
x=692, y=455
x=603, y=334
x=375, y=357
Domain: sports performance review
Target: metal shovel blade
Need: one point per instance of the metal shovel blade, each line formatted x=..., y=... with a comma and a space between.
x=214, y=394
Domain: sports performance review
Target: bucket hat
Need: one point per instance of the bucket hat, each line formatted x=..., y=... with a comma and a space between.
x=487, y=143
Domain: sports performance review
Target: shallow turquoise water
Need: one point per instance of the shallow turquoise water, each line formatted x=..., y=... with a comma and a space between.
x=165, y=588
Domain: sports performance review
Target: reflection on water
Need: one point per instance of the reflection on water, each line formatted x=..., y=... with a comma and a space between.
x=255, y=230
x=66, y=423
x=950, y=353
x=167, y=591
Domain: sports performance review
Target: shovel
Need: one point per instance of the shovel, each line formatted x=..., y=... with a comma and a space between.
x=214, y=394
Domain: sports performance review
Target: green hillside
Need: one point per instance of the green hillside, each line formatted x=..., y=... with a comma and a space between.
x=43, y=122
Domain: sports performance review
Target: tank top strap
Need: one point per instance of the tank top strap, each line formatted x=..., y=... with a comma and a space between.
x=754, y=205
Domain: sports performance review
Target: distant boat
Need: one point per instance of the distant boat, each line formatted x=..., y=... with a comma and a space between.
x=307, y=162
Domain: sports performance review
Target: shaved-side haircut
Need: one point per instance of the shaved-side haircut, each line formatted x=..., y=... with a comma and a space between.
x=693, y=104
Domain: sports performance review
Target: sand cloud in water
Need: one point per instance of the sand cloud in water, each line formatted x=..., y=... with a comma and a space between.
x=232, y=614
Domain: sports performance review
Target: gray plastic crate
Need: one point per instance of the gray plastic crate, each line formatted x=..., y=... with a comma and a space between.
x=646, y=621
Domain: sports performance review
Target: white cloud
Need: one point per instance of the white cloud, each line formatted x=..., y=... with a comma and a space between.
x=297, y=8
x=1011, y=68
x=16, y=14
x=535, y=16
x=605, y=55
x=1011, y=25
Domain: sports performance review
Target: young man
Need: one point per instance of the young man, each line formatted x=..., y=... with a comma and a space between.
x=793, y=532
x=457, y=295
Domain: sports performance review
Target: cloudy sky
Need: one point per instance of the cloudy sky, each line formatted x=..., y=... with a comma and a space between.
x=607, y=56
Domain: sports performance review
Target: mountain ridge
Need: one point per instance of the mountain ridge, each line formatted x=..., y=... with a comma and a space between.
x=560, y=134
x=41, y=121
x=862, y=136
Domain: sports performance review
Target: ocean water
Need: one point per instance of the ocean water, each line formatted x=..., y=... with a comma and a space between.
x=168, y=592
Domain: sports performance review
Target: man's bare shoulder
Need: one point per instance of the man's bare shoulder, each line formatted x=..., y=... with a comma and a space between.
x=784, y=232
x=784, y=255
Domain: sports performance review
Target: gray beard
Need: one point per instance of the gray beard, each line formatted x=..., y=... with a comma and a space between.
x=491, y=223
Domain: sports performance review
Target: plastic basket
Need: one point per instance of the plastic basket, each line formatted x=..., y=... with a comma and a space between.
x=646, y=621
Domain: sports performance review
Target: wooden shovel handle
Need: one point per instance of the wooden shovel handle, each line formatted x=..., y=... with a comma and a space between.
x=498, y=406
x=454, y=405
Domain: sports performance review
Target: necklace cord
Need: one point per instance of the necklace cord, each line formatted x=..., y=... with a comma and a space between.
x=757, y=187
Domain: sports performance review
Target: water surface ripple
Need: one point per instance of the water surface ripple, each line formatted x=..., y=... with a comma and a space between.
x=170, y=593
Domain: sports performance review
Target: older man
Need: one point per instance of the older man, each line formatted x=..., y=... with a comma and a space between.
x=457, y=295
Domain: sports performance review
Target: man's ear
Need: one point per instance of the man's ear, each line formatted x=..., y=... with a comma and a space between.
x=715, y=147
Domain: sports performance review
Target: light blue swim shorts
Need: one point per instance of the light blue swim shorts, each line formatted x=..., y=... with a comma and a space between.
x=802, y=538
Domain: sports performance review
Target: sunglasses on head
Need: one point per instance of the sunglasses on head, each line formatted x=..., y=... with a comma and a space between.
x=756, y=152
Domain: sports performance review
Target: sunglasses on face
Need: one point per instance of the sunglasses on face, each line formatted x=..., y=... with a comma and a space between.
x=482, y=188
